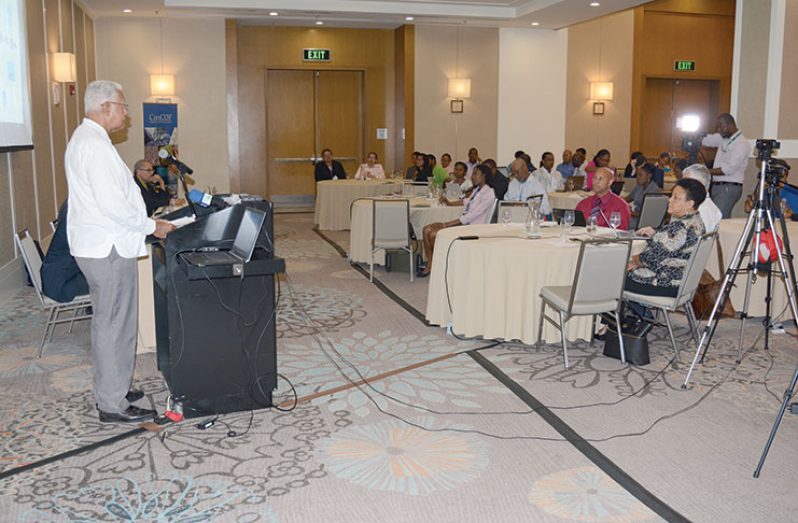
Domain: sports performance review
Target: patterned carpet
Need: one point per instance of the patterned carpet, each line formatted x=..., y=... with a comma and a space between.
x=431, y=435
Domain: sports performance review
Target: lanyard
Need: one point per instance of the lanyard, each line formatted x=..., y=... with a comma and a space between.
x=725, y=146
x=473, y=197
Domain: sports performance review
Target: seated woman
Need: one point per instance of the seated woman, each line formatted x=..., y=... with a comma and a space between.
x=659, y=269
x=423, y=170
x=477, y=209
x=602, y=159
x=370, y=170
x=460, y=186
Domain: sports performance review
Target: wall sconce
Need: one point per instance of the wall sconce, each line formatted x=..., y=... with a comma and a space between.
x=600, y=91
x=459, y=89
x=162, y=84
x=64, y=70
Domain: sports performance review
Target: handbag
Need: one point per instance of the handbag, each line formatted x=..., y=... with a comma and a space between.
x=635, y=342
x=707, y=292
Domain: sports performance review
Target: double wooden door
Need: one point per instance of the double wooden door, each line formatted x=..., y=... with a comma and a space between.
x=665, y=101
x=306, y=112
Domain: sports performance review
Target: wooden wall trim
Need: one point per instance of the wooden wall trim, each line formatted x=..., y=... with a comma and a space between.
x=638, y=81
x=231, y=69
x=410, y=90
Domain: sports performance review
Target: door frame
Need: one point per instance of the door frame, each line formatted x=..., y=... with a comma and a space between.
x=312, y=68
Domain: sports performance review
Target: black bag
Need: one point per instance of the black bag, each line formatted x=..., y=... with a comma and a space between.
x=635, y=343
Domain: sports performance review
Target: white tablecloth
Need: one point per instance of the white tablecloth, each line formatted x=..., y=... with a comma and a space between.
x=494, y=282
x=729, y=235
x=423, y=211
x=567, y=200
x=333, y=198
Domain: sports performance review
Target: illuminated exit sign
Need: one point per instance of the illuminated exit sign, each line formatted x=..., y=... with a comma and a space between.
x=315, y=55
x=684, y=65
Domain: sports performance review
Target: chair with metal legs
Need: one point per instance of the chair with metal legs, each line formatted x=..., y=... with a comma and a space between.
x=597, y=288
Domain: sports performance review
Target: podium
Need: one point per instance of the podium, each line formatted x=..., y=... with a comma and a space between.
x=215, y=325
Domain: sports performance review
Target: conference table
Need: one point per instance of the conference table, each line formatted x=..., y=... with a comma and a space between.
x=423, y=211
x=490, y=286
x=729, y=234
x=567, y=200
x=333, y=198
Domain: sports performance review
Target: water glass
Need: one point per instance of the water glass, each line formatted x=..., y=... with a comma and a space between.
x=506, y=217
x=615, y=221
x=592, y=224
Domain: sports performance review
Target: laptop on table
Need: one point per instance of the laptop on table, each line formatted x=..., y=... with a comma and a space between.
x=243, y=245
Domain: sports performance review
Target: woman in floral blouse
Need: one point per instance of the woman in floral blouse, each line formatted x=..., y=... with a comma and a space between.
x=659, y=269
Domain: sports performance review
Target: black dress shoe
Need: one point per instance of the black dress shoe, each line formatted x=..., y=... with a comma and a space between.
x=132, y=414
x=133, y=396
x=422, y=274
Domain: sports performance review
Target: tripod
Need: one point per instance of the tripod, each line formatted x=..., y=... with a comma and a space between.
x=750, y=244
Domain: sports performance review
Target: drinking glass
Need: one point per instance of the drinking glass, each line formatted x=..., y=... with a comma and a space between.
x=592, y=223
x=615, y=221
x=506, y=217
x=567, y=223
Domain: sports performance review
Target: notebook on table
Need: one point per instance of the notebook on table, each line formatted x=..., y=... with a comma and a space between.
x=243, y=245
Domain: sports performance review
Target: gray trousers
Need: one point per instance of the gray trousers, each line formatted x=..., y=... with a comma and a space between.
x=725, y=197
x=113, y=285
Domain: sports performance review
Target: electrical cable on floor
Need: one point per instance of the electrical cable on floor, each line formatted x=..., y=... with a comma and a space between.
x=317, y=334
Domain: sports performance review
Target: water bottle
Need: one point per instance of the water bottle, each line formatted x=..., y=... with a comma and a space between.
x=533, y=219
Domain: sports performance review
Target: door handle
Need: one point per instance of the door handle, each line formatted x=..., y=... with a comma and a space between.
x=306, y=159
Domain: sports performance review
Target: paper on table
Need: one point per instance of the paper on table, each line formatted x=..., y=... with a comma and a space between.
x=183, y=220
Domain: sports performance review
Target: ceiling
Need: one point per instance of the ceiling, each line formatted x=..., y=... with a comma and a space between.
x=546, y=14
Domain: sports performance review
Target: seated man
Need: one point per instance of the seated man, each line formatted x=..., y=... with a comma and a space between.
x=550, y=178
x=603, y=202
x=497, y=180
x=62, y=279
x=411, y=170
x=477, y=209
x=152, y=186
x=710, y=213
x=523, y=186
x=566, y=168
x=645, y=185
x=329, y=168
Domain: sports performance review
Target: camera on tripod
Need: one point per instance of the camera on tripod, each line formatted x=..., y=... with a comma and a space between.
x=775, y=169
x=690, y=124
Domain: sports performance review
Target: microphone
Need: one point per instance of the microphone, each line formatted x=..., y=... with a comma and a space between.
x=164, y=155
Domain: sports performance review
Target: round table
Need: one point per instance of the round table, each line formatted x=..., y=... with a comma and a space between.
x=333, y=198
x=493, y=283
x=567, y=200
x=729, y=234
x=423, y=211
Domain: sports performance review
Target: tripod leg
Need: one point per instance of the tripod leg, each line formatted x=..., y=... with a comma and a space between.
x=787, y=397
x=723, y=295
x=744, y=313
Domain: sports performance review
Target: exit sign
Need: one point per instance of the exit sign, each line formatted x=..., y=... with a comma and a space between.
x=684, y=65
x=315, y=55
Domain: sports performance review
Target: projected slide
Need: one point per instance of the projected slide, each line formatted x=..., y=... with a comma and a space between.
x=14, y=103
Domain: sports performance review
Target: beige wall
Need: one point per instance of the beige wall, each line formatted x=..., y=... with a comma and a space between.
x=129, y=50
x=437, y=130
x=532, y=70
x=788, y=123
x=32, y=182
x=600, y=50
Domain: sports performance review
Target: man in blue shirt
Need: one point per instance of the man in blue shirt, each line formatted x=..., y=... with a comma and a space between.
x=566, y=168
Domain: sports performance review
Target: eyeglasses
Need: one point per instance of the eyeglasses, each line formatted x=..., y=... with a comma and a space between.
x=125, y=106
x=147, y=170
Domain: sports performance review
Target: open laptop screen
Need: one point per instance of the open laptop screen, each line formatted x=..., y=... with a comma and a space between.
x=247, y=235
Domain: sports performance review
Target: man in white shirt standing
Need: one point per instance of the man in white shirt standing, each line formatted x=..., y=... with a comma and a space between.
x=728, y=172
x=523, y=185
x=710, y=213
x=106, y=229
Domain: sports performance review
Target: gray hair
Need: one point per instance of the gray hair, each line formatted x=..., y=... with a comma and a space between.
x=141, y=164
x=698, y=172
x=98, y=92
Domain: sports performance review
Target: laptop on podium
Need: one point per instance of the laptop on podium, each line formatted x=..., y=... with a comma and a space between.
x=243, y=245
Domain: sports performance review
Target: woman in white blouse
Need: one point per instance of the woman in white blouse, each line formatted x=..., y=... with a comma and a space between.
x=370, y=170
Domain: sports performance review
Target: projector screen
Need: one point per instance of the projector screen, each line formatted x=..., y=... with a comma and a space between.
x=15, y=119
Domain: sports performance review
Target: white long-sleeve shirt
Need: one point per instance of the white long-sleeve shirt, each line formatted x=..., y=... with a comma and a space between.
x=106, y=209
x=520, y=192
x=732, y=156
x=552, y=181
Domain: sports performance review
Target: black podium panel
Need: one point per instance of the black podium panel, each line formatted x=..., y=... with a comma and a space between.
x=215, y=326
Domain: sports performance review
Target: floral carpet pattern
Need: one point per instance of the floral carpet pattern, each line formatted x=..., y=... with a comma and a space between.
x=396, y=421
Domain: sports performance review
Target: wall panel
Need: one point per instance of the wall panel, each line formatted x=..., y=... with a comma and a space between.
x=60, y=133
x=24, y=193
x=788, y=123
x=6, y=221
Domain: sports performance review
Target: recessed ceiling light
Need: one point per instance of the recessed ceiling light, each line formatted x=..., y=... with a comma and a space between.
x=594, y=4
x=273, y=13
x=319, y=22
x=127, y=10
x=536, y=24
x=408, y=18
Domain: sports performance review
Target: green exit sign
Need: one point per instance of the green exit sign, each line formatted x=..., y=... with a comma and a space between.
x=315, y=55
x=684, y=65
